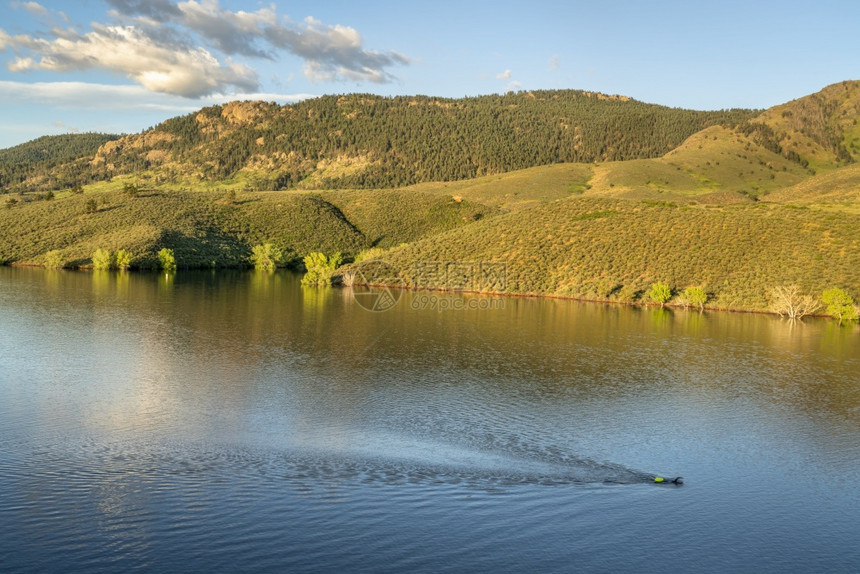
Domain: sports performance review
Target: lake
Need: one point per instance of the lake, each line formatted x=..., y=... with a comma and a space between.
x=236, y=421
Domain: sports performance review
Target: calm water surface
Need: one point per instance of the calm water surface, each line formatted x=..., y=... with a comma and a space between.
x=240, y=422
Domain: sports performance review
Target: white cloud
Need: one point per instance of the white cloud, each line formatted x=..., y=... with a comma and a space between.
x=512, y=85
x=331, y=53
x=553, y=63
x=160, y=10
x=230, y=32
x=186, y=48
x=192, y=72
x=33, y=8
x=20, y=64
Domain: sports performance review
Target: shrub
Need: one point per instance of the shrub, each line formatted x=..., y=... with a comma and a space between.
x=54, y=260
x=660, y=293
x=167, y=260
x=695, y=296
x=91, y=206
x=839, y=304
x=11, y=202
x=266, y=257
x=123, y=259
x=130, y=190
x=102, y=260
x=320, y=269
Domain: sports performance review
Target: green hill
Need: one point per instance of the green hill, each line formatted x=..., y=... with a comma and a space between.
x=820, y=130
x=389, y=217
x=608, y=249
x=365, y=141
x=715, y=165
x=517, y=189
x=203, y=230
x=218, y=230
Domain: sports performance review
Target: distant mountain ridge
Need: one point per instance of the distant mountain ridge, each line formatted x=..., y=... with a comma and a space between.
x=366, y=141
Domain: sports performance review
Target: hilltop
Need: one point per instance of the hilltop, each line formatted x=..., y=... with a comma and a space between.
x=366, y=141
x=821, y=131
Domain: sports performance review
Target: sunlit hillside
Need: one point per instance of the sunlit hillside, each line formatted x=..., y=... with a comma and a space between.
x=614, y=250
x=821, y=129
x=715, y=165
x=734, y=202
x=836, y=189
x=367, y=141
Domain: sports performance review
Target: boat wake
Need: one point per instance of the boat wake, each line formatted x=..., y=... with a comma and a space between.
x=412, y=463
x=311, y=467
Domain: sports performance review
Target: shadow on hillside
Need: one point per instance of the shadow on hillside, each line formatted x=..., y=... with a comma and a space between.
x=206, y=248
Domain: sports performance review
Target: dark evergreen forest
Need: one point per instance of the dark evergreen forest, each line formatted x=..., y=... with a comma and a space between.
x=381, y=141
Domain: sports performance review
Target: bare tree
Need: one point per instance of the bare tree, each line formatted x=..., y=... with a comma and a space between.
x=789, y=301
x=347, y=278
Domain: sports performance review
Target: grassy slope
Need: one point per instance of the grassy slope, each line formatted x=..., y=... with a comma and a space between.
x=552, y=225
x=205, y=229
x=390, y=217
x=519, y=189
x=837, y=189
x=614, y=249
x=202, y=229
x=598, y=247
x=578, y=230
x=715, y=165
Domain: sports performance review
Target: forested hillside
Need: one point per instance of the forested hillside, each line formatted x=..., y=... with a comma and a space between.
x=52, y=160
x=366, y=141
x=820, y=131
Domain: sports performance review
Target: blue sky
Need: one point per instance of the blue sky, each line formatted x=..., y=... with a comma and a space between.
x=125, y=65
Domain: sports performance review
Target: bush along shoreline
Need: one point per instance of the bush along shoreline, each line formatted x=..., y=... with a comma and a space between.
x=319, y=270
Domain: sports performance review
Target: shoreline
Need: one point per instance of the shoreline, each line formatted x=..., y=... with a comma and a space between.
x=505, y=294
